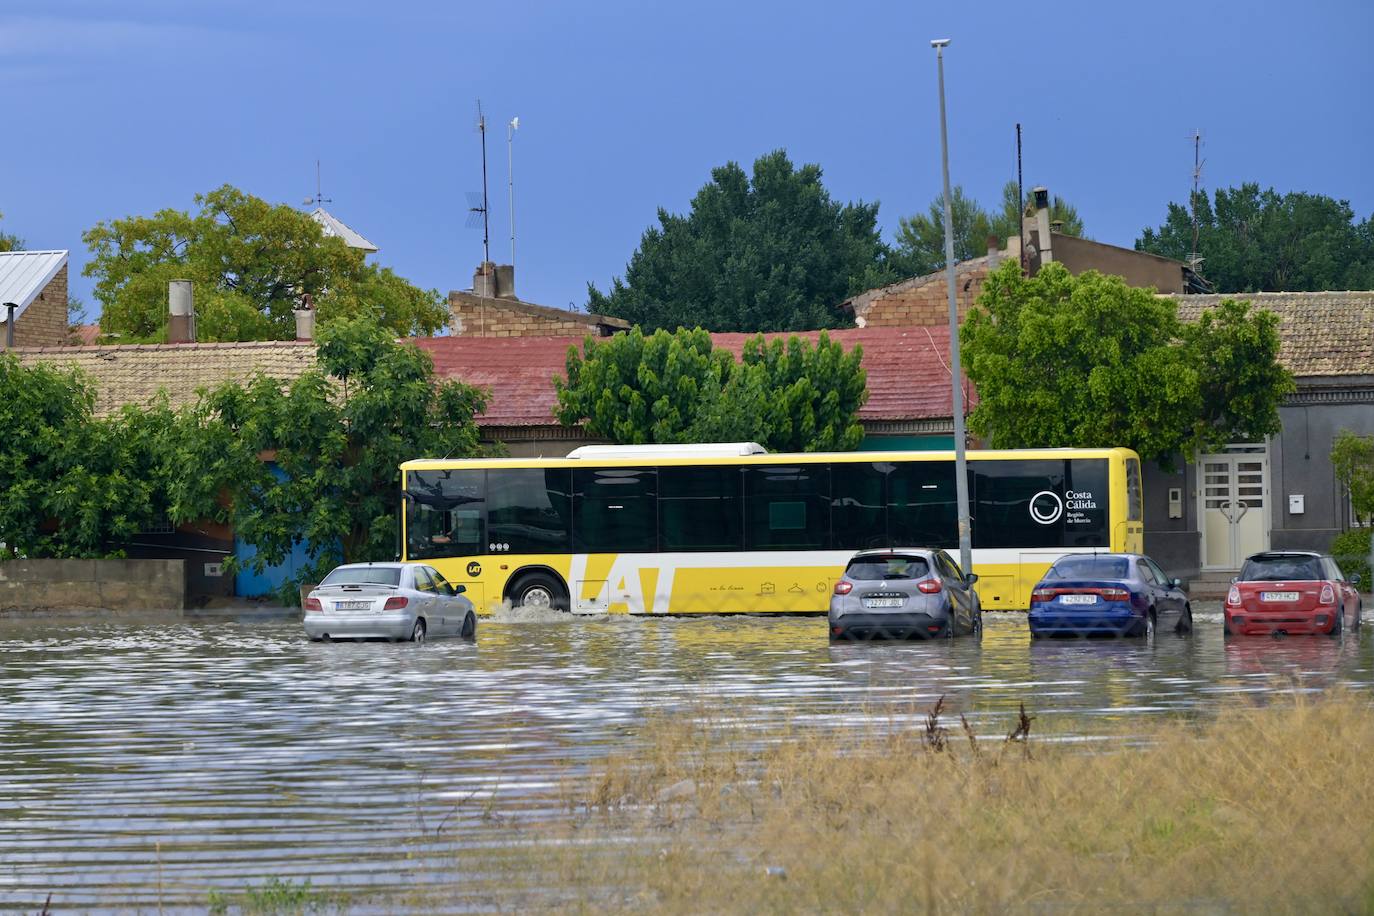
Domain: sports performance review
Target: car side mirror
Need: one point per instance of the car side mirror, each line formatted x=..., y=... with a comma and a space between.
x=1235, y=579
x=1177, y=583
x=1355, y=579
x=459, y=589
x=971, y=578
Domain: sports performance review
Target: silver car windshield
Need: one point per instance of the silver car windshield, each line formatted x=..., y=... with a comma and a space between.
x=364, y=575
x=878, y=568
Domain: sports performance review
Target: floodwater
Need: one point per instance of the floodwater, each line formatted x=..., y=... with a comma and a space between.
x=148, y=763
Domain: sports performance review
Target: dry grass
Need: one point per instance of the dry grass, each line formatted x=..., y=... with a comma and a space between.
x=1260, y=809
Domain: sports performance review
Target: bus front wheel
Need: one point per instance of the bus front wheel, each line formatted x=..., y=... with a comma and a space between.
x=539, y=590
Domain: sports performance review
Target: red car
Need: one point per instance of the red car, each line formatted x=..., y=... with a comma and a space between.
x=1291, y=592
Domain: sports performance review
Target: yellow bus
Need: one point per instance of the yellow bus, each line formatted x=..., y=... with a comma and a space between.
x=728, y=527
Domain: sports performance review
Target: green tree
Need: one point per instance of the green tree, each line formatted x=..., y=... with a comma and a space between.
x=920, y=245
x=1262, y=241
x=252, y=263
x=675, y=387
x=75, y=485
x=1007, y=221
x=9, y=241
x=1352, y=456
x=336, y=436
x=771, y=253
x=1060, y=360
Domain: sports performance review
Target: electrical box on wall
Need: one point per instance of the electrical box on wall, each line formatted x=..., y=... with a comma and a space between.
x=1295, y=504
x=1175, y=502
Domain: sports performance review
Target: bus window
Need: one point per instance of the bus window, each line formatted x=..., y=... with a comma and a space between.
x=445, y=514
x=922, y=506
x=529, y=510
x=700, y=508
x=858, y=517
x=1040, y=503
x=1134, y=509
x=617, y=510
x=787, y=508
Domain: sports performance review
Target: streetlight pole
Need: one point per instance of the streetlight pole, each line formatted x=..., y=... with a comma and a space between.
x=955, y=374
x=511, y=127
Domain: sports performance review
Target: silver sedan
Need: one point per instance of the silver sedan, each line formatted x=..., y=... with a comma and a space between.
x=395, y=601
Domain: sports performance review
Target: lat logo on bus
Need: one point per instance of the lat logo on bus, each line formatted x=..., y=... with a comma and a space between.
x=474, y=569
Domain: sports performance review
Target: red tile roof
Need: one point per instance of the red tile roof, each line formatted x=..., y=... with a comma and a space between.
x=908, y=374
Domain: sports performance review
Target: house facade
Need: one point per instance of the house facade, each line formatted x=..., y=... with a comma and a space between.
x=35, y=283
x=1204, y=516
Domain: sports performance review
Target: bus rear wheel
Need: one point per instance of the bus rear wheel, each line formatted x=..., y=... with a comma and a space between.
x=539, y=590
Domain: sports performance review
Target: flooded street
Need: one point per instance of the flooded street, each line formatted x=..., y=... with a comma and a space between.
x=147, y=764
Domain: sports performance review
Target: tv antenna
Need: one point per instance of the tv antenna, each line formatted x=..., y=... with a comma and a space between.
x=318, y=198
x=477, y=204
x=1198, y=162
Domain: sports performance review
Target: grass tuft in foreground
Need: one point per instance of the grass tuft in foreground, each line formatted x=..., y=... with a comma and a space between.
x=1260, y=809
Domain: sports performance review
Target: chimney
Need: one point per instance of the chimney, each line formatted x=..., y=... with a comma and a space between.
x=484, y=280
x=305, y=319
x=181, y=317
x=505, y=281
x=1042, y=225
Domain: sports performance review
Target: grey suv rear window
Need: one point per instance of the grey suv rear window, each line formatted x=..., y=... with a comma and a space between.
x=364, y=575
x=1279, y=569
x=878, y=568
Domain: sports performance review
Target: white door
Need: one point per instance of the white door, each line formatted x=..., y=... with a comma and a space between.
x=1234, y=501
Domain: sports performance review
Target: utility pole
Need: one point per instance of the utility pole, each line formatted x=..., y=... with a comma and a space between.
x=955, y=374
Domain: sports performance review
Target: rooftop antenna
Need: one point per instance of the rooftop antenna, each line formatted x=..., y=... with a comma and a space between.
x=1198, y=162
x=477, y=207
x=318, y=198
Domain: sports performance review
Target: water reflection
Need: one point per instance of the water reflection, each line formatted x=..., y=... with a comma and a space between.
x=146, y=763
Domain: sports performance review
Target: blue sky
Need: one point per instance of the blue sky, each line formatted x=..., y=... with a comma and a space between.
x=114, y=109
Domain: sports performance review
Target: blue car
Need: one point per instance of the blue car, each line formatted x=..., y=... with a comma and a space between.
x=1107, y=594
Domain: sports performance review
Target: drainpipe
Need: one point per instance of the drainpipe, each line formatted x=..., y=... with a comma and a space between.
x=9, y=324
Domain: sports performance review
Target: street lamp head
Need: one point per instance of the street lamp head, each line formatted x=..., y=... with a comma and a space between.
x=939, y=42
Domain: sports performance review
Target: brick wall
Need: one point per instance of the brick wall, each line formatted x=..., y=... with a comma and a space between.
x=44, y=322
x=472, y=317
x=926, y=304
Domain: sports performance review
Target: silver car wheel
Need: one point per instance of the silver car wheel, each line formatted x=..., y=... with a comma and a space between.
x=417, y=634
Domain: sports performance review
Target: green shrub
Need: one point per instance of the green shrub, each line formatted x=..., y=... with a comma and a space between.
x=1351, y=550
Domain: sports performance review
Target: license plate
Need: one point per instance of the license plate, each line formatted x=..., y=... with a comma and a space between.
x=882, y=602
x=1078, y=599
x=1278, y=596
x=352, y=605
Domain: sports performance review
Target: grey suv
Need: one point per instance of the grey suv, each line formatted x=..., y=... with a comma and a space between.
x=904, y=593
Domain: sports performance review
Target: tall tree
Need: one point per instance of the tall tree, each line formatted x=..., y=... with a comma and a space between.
x=920, y=247
x=1061, y=360
x=9, y=241
x=252, y=264
x=338, y=435
x=771, y=252
x=1007, y=221
x=636, y=388
x=1262, y=241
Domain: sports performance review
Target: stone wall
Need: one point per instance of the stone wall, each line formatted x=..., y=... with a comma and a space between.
x=44, y=322
x=926, y=303
x=43, y=586
x=473, y=316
